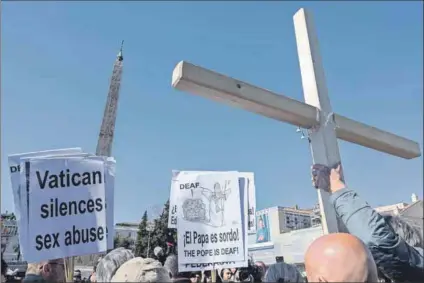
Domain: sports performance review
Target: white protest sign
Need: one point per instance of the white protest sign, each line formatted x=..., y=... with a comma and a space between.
x=14, y=166
x=209, y=222
x=227, y=264
x=250, y=185
x=67, y=213
x=110, y=165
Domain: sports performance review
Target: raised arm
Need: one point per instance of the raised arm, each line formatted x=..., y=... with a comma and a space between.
x=393, y=256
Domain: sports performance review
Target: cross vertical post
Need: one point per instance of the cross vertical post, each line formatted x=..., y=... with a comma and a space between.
x=323, y=139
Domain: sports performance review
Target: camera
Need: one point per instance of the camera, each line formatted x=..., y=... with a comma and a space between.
x=279, y=259
x=251, y=273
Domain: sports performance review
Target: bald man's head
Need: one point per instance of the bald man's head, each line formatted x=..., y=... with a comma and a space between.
x=339, y=257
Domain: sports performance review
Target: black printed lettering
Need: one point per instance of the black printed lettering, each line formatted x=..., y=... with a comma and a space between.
x=47, y=241
x=57, y=209
x=67, y=179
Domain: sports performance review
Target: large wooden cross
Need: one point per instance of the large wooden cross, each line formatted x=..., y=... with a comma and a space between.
x=316, y=115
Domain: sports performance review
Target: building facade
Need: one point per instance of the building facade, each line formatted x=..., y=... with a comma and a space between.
x=126, y=230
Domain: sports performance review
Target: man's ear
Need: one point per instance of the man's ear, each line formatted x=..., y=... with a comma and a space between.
x=46, y=268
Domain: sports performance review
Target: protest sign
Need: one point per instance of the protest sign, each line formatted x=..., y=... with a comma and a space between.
x=66, y=204
x=14, y=167
x=209, y=222
x=250, y=186
x=226, y=264
x=110, y=165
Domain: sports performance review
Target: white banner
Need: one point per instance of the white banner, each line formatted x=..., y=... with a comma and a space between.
x=66, y=204
x=210, y=226
x=249, y=182
x=14, y=167
x=227, y=264
x=109, y=166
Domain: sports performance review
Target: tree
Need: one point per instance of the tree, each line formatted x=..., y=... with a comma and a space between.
x=116, y=241
x=160, y=232
x=142, y=237
x=127, y=243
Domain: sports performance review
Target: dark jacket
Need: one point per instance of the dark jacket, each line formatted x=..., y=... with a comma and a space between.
x=32, y=278
x=395, y=258
x=181, y=280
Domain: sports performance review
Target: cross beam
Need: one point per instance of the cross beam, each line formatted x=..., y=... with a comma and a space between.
x=209, y=84
x=315, y=115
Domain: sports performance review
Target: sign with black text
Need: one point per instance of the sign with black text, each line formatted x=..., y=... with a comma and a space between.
x=226, y=264
x=210, y=225
x=66, y=211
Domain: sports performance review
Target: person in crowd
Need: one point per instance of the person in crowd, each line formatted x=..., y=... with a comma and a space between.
x=92, y=277
x=206, y=276
x=171, y=265
x=397, y=260
x=159, y=255
x=339, y=257
x=110, y=263
x=283, y=272
x=262, y=268
x=410, y=234
x=77, y=276
x=4, y=268
x=170, y=242
x=226, y=275
x=45, y=272
x=141, y=270
x=234, y=275
x=195, y=277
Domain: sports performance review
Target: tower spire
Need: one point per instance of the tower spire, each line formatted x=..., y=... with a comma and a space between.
x=107, y=129
x=120, y=54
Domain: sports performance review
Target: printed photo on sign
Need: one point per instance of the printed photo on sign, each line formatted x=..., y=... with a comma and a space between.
x=209, y=221
x=66, y=208
x=262, y=227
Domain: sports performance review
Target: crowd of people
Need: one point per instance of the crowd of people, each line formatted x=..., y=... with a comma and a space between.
x=374, y=248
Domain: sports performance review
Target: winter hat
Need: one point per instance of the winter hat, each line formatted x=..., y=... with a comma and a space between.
x=141, y=270
x=283, y=271
x=110, y=263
